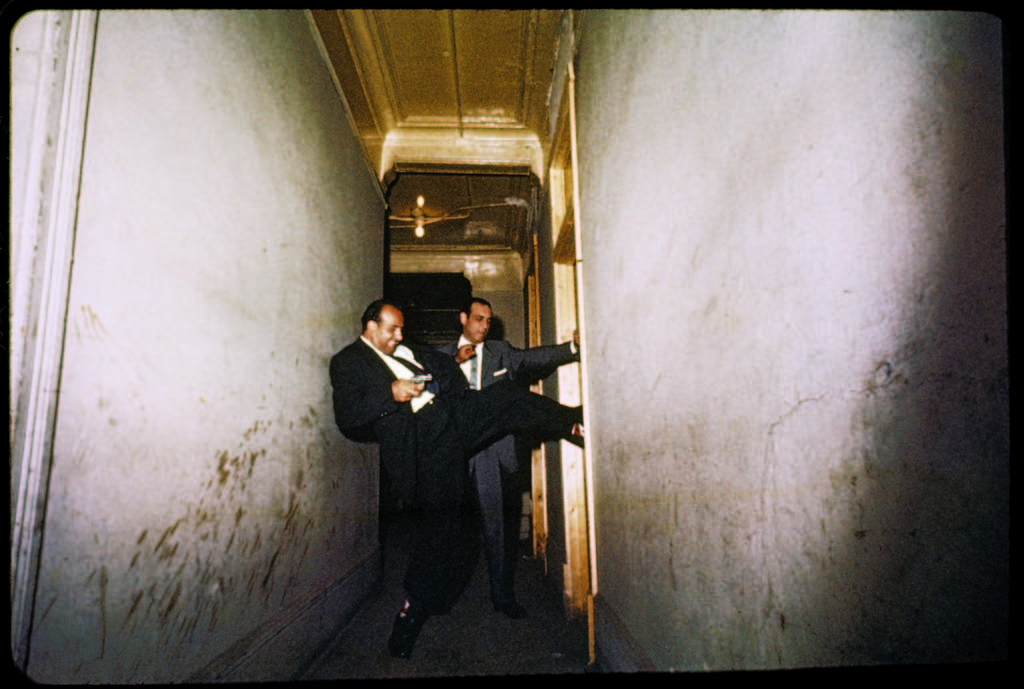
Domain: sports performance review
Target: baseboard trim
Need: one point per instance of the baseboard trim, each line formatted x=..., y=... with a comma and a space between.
x=616, y=649
x=284, y=647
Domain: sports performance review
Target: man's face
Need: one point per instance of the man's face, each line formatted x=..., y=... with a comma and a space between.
x=476, y=325
x=386, y=335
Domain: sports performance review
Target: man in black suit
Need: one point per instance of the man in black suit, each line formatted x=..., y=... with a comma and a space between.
x=428, y=422
x=492, y=471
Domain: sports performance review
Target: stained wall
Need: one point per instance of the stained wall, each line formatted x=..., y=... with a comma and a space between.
x=794, y=263
x=229, y=235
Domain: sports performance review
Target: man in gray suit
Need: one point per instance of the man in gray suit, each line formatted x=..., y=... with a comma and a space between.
x=485, y=362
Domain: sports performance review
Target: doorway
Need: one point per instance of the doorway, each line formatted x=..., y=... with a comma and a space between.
x=430, y=303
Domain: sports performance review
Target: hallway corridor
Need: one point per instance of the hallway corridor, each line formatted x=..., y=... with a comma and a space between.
x=781, y=237
x=473, y=640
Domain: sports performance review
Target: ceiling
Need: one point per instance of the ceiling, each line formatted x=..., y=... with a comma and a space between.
x=451, y=106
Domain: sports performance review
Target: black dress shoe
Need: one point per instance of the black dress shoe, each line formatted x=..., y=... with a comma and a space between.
x=576, y=437
x=511, y=609
x=408, y=624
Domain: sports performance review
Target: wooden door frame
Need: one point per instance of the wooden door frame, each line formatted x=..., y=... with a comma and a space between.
x=577, y=467
x=538, y=474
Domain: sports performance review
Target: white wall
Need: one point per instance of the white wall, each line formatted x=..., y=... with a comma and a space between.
x=229, y=235
x=795, y=277
x=31, y=45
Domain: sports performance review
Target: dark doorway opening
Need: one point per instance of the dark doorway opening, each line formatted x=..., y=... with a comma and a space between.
x=430, y=303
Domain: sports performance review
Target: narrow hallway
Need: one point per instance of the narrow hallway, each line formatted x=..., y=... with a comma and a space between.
x=781, y=236
x=473, y=640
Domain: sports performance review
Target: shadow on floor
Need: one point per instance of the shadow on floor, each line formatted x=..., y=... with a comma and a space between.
x=472, y=640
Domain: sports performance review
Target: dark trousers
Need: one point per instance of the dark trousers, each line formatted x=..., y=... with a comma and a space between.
x=448, y=432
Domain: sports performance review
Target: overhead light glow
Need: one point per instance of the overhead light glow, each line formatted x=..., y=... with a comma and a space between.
x=418, y=214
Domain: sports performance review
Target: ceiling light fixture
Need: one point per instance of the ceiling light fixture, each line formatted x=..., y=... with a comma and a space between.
x=419, y=219
x=418, y=215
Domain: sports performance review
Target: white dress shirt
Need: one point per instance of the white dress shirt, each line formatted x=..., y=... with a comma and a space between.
x=467, y=365
x=403, y=372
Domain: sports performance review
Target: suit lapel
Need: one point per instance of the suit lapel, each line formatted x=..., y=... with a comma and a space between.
x=375, y=361
x=492, y=360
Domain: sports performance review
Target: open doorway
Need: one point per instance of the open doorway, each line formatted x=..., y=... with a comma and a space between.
x=430, y=303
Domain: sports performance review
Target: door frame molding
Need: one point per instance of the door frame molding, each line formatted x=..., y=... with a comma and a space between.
x=41, y=277
x=580, y=570
x=588, y=450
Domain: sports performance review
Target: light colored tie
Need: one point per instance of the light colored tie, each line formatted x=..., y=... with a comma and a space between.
x=473, y=377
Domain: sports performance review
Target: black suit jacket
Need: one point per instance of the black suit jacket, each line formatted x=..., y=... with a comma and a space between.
x=365, y=409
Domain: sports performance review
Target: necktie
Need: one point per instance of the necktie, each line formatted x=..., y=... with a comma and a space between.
x=473, y=377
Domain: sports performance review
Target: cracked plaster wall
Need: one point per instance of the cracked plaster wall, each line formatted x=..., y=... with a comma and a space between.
x=794, y=265
x=226, y=244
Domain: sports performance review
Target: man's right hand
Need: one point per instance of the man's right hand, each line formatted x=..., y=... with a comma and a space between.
x=405, y=390
x=465, y=353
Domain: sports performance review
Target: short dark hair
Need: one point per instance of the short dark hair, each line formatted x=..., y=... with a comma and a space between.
x=467, y=308
x=372, y=312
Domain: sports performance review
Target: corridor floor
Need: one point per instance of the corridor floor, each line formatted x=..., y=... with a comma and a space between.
x=473, y=640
